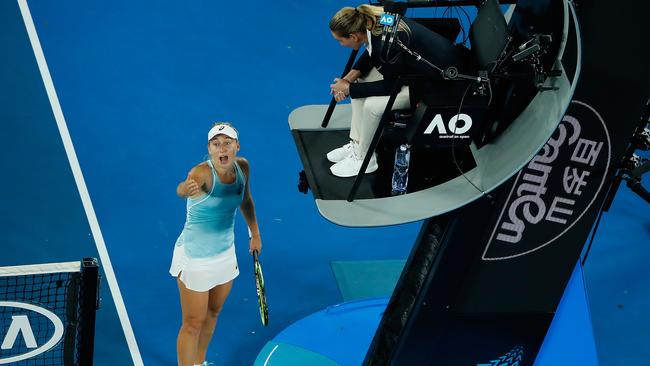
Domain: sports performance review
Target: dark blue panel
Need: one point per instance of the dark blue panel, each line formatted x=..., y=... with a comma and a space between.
x=343, y=332
x=570, y=338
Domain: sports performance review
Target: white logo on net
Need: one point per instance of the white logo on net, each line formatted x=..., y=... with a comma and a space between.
x=20, y=324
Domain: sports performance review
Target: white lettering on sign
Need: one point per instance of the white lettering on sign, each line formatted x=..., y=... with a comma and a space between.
x=557, y=187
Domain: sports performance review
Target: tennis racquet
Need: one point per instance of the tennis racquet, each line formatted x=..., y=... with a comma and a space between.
x=259, y=283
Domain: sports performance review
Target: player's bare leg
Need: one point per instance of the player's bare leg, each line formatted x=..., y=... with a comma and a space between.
x=194, y=307
x=216, y=300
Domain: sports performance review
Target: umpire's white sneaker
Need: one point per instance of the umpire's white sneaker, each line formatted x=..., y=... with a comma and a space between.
x=340, y=153
x=350, y=166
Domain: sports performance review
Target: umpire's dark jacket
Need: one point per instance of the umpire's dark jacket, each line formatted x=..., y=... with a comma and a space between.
x=430, y=45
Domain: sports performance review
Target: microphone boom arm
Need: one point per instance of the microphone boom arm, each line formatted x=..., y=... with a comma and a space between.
x=451, y=73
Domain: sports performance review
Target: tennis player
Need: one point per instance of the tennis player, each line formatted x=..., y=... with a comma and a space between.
x=204, y=260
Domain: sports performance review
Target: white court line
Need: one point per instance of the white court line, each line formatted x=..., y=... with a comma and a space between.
x=81, y=184
x=269, y=356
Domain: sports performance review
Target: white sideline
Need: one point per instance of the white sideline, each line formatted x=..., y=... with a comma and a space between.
x=81, y=184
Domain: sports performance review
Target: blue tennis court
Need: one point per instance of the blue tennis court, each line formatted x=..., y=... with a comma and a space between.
x=104, y=108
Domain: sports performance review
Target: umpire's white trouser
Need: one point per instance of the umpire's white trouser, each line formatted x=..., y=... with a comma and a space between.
x=367, y=112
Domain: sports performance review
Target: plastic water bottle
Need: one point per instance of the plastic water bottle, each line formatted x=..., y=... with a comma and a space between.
x=400, y=171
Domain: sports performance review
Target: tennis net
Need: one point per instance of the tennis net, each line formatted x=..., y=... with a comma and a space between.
x=47, y=313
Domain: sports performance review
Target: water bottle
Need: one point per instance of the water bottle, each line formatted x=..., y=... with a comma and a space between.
x=400, y=170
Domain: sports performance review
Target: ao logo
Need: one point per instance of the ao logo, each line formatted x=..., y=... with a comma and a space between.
x=438, y=123
x=20, y=324
x=387, y=20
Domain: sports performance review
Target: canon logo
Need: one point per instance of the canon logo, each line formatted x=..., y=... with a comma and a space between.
x=556, y=188
x=20, y=325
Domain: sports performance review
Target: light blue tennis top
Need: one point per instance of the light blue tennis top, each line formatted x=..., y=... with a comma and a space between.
x=209, y=227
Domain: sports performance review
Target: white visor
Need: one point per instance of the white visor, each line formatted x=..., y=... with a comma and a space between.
x=222, y=130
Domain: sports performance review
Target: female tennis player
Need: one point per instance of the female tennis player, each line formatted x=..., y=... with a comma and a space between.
x=204, y=260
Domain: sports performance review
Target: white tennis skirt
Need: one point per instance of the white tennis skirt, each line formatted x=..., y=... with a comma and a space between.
x=202, y=274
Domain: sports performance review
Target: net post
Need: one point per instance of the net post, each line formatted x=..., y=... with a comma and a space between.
x=89, y=304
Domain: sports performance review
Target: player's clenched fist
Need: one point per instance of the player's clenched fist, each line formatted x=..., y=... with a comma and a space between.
x=192, y=187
